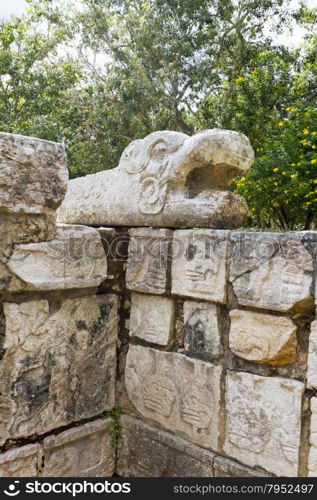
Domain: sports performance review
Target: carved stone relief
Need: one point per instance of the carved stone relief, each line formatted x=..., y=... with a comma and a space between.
x=179, y=393
x=200, y=264
x=152, y=318
x=264, y=421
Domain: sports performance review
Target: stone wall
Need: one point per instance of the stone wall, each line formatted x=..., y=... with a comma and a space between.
x=204, y=340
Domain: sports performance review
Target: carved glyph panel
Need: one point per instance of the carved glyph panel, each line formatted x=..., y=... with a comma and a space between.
x=20, y=462
x=200, y=262
x=152, y=318
x=58, y=367
x=262, y=338
x=272, y=271
x=202, y=335
x=85, y=451
x=74, y=259
x=264, y=421
x=149, y=260
x=180, y=393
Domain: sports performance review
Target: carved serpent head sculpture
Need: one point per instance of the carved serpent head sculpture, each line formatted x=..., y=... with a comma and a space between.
x=166, y=179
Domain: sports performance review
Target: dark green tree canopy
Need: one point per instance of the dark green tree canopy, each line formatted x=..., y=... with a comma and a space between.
x=97, y=74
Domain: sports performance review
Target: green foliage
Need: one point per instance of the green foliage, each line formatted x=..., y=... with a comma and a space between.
x=115, y=426
x=97, y=74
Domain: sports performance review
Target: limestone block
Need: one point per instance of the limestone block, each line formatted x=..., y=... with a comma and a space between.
x=312, y=358
x=224, y=467
x=202, y=335
x=179, y=393
x=84, y=451
x=33, y=174
x=59, y=363
x=74, y=259
x=152, y=318
x=166, y=179
x=272, y=271
x=145, y=451
x=200, y=264
x=264, y=422
x=262, y=338
x=20, y=462
x=20, y=228
x=149, y=260
x=312, y=459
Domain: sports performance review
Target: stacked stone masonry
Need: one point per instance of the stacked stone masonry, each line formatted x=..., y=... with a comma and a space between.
x=205, y=339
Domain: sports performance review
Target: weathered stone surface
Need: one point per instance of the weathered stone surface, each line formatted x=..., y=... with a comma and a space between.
x=224, y=467
x=167, y=179
x=85, y=451
x=264, y=421
x=74, y=259
x=20, y=228
x=33, y=174
x=180, y=393
x=145, y=451
x=312, y=459
x=59, y=364
x=20, y=462
x=262, y=338
x=202, y=335
x=312, y=358
x=272, y=271
x=149, y=260
x=152, y=318
x=200, y=263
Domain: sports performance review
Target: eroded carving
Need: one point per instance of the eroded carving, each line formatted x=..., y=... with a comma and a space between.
x=272, y=271
x=262, y=338
x=152, y=318
x=149, y=260
x=264, y=421
x=202, y=335
x=160, y=385
x=84, y=451
x=57, y=367
x=200, y=264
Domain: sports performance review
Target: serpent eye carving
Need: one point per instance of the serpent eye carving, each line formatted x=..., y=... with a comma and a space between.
x=133, y=159
x=152, y=196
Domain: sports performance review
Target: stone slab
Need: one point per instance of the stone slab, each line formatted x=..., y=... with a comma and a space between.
x=224, y=467
x=20, y=462
x=84, y=451
x=179, y=393
x=149, y=260
x=312, y=358
x=75, y=258
x=202, y=335
x=200, y=264
x=152, y=318
x=59, y=363
x=264, y=421
x=272, y=271
x=33, y=174
x=262, y=338
x=145, y=451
